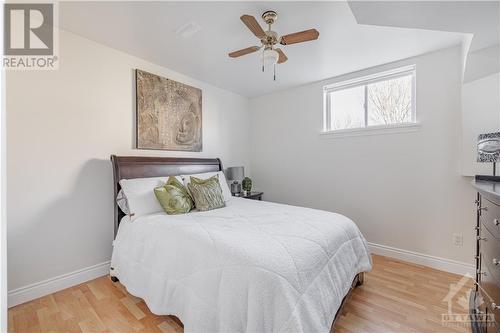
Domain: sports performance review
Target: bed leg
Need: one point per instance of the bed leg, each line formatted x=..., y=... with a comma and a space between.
x=361, y=279
x=113, y=278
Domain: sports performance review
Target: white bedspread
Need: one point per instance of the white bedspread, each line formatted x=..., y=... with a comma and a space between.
x=252, y=266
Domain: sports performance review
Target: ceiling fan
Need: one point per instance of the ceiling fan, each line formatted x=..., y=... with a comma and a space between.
x=271, y=55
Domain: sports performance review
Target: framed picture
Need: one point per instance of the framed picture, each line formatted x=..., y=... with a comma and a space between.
x=168, y=114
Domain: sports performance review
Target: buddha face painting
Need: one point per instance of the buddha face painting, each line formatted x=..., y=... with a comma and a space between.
x=186, y=131
x=168, y=114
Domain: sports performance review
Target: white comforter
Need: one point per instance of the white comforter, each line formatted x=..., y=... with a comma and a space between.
x=252, y=266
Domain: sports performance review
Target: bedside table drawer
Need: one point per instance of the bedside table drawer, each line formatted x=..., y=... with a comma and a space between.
x=490, y=217
x=490, y=252
x=490, y=291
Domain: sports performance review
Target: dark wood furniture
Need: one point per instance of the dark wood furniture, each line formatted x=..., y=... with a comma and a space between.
x=128, y=167
x=253, y=196
x=485, y=298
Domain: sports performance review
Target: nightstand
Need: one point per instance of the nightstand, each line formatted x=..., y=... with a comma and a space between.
x=253, y=195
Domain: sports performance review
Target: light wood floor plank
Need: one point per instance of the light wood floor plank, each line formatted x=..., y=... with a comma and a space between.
x=166, y=327
x=132, y=307
x=396, y=297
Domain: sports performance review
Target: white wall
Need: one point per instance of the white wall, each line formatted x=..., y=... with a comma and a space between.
x=482, y=63
x=62, y=127
x=3, y=201
x=481, y=114
x=403, y=190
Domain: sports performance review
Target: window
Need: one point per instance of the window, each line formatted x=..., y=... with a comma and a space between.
x=383, y=100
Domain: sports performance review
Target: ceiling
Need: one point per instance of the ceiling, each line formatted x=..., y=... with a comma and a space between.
x=148, y=30
x=480, y=18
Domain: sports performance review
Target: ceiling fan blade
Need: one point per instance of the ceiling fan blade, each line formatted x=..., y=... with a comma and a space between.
x=282, y=57
x=253, y=25
x=242, y=52
x=299, y=37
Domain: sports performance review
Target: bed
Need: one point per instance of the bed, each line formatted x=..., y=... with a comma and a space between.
x=251, y=266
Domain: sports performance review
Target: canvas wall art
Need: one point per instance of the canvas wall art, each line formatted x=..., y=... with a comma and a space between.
x=168, y=114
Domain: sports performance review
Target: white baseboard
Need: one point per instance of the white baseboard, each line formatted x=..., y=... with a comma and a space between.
x=49, y=286
x=442, y=264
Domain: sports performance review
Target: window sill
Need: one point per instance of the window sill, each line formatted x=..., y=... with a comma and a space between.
x=372, y=130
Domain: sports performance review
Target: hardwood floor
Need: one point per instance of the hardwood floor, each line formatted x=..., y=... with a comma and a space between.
x=396, y=297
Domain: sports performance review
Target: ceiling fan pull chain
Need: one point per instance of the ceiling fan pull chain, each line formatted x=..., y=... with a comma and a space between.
x=263, y=60
x=274, y=69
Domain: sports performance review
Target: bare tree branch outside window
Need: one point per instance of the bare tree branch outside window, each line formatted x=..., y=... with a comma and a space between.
x=389, y=102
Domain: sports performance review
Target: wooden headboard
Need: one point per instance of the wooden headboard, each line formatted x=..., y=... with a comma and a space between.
x=128, y=167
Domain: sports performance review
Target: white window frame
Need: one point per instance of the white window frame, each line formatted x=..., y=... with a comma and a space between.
x=364, y=81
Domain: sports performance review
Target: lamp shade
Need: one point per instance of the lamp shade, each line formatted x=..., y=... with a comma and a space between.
x=488, y=147
x=235, y=173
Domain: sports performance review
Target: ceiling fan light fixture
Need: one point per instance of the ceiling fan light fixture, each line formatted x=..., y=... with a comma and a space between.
x=270, y=57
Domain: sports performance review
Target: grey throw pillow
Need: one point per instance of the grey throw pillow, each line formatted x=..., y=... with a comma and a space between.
x=206, y=193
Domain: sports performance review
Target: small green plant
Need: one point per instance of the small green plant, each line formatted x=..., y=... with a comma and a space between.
x=246, y=184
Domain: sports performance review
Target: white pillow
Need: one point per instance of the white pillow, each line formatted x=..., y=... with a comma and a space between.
x=222, y=180
x=121, y=201
x=140, y=195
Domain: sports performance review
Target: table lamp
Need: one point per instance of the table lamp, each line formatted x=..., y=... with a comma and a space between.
x=235, y=175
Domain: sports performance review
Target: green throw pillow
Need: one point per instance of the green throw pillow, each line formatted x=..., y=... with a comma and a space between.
x=174, y=197
x=175, y=182
x=207, y=193
x=196, y=180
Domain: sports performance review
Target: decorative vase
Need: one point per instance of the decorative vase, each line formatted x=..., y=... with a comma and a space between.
x=235, y=188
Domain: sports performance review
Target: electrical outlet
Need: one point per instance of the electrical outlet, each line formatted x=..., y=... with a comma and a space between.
x=458, y=240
